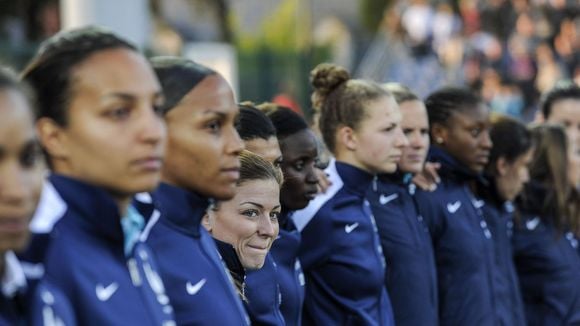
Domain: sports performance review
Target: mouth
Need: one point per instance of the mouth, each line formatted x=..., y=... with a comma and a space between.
x=232, y=172
x=310, y=194
x=259, y=249
x=15, y=224
x=150, y=163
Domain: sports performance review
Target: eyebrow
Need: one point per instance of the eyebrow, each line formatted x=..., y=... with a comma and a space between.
x=130, y=97
x=258, y=205
x=33, y=142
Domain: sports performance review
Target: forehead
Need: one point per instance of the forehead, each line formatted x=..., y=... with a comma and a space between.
x=115, y=70
x=565, y=110
x=475, y=115
x=212, y=95
x=380, y=110
x=261, y=191
x=301, y=142
x=266, y=148
x=413, y=113
x=16, y=121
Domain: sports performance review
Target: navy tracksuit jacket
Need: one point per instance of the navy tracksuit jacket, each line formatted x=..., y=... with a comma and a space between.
x=197, y=283
x=341, y=255
x=263, y=294
x=463, y=245
x=84, y=261
x=548, y=264
x=290, y=276
x=411, y=277
x=499, y=215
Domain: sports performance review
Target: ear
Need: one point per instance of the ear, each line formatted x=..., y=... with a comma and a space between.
x=502, y=166
x=439, y=134
x=52, y=138
x=347, y=137
x=205, y=222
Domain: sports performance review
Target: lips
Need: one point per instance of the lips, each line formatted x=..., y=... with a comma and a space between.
x=149, y=163
x=232, y=172
x=14, y=224
x=311, y=193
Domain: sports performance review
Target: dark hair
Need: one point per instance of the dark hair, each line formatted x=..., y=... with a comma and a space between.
x=341, y=101
x=253, y=123
x=401, y=93
x=254, y=167
x=549, y=167
x=565, y=89
x=442, y=103
x=286, y=121
x=50, y=70
x=178, y=76
x=511, y=139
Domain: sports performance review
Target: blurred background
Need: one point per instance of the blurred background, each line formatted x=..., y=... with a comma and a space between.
x=510, y=51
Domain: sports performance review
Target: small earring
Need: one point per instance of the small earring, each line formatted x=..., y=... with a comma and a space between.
x=439, y=140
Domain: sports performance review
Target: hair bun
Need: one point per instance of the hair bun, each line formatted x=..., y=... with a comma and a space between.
x=326, y=77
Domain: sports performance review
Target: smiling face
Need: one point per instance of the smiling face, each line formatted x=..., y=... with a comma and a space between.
x=466, y=137
x=203, y=145
x=378, y=141
x=20, y=170
x=249, y=221
x=415, y=125
x=115, y=136
x=300, y=153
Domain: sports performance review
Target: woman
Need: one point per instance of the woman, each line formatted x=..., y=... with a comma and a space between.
x=546, y=250
x=340, y=250
x=258, y=133
x=262, y=286
x=299, y=157
x=21, y=169
x=411, y=278
x=100, y=126
x=249, y=221
x=462, y=241
x=506, y=173
x=201, y=165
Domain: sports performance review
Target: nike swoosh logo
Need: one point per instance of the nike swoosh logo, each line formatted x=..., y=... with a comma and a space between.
x=194, y=289
x=452, y=208
x=533, y=223
x=386, y=199
x=105, y=293
x=478, y=203
x=350, y=227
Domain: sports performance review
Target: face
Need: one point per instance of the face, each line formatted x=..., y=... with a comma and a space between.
x=466, y=137
x=379, y=140
x=300, y=155
x=567, y=113
x=21, y=170
x=115, y=135
x=512, y=176
x=268, y=149
x=415, y=125
x=203, y=145
x=249, y=221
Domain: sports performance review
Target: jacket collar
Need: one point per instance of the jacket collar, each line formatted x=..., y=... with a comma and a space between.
x=354, y=178
x=453, y=169
x=184, y=209
x=94, y=205
x=13, y=280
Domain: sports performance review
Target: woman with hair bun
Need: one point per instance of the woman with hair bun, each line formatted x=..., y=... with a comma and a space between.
x=340, y=251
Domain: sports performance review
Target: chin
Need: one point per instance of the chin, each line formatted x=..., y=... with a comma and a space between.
x=224, y=193
x=14, y=242
x=254, y=264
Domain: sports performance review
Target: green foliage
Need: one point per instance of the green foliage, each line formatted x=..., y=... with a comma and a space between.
x=372, y=12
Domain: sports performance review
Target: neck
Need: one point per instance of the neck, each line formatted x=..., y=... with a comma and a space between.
x=123, y=204
x=348, y=157
x=2, y=264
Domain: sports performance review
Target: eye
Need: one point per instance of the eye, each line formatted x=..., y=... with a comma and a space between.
x=299, y=165
x=121, y=113
x=424, y=131
x=250, y=213
x=274, y=216
x=475, y=132
x=30, y=156
x=278, y=162
x=214, y=126
x=158, y=110
x=407, y=131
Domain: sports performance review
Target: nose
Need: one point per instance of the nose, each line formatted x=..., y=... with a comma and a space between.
x=311, y=176
x=415, y=139
x=153, y=127
x=235, y=144
x=486, y=142
x=401, y=140
x=267, y=227
x=14, y=186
